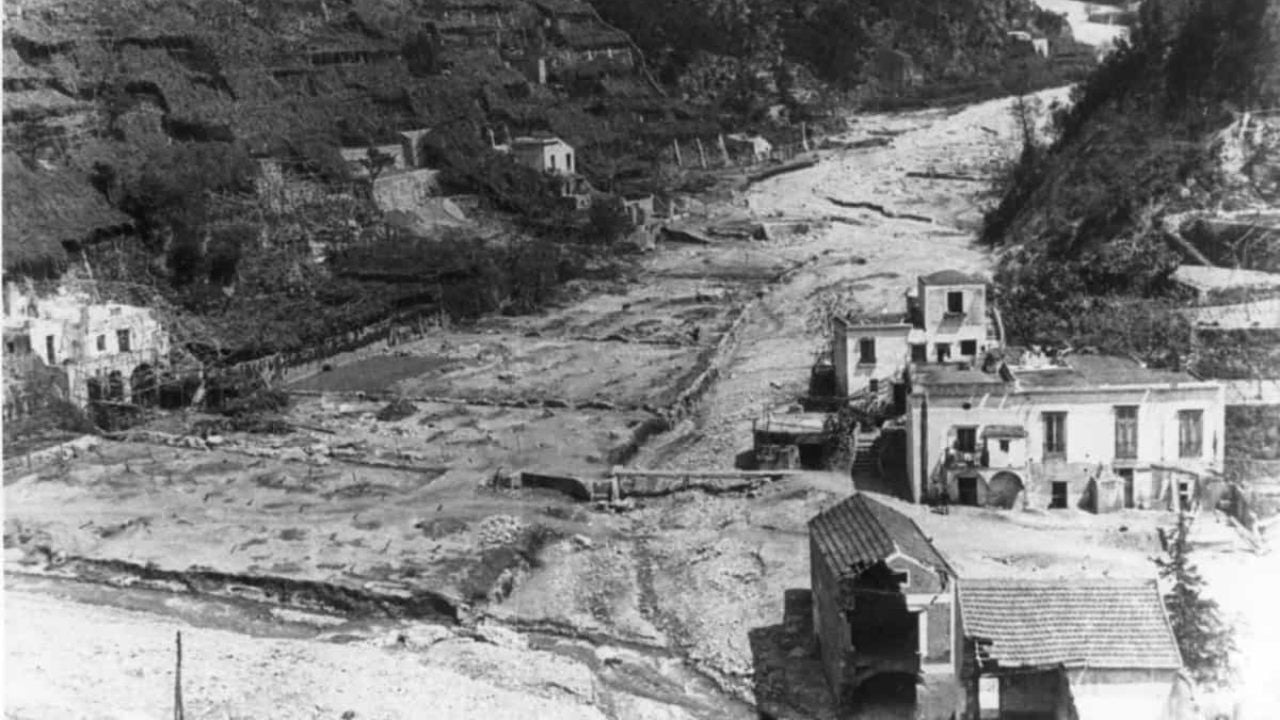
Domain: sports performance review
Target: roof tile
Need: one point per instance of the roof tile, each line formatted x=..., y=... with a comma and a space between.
x=1096, y=622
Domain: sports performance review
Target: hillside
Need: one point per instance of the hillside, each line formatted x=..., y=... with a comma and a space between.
x=877, y=51
x=137, y=133
x=1171, y=134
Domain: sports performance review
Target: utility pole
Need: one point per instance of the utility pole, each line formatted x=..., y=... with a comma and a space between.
x=178, y=713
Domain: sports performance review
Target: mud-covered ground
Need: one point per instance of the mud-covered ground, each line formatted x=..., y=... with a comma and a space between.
x=365, y=565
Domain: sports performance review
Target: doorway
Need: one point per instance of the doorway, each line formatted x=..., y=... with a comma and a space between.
x=1126, y=476
x=968, y=486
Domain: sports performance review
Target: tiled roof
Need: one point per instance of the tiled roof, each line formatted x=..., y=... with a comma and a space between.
x=952, y=277
x=1097, y=622
x=859, y=532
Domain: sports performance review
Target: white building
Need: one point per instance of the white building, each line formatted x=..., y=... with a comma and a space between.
x=108, y=351
x=545, y=153
x=1093, y=432
x=946, y=320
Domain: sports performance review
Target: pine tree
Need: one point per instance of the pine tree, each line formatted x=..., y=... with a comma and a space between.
x=1205, y=640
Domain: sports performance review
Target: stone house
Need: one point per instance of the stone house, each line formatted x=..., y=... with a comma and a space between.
x=1077, y=648
x=895, y=69
x=753, y=148
x=945, y=320
x=1088, y=431
x=639, y=209
x=544, y=153
x=883, y=603
x=108, y=351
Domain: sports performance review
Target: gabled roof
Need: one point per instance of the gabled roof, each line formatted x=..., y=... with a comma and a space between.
x=859, y=532
x=1101, y=623
x=952, y=277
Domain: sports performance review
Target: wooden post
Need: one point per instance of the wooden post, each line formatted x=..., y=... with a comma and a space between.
x=702, y=155
x=724, y=151
x=178, y=713
x=804, y=138
x=676, y=144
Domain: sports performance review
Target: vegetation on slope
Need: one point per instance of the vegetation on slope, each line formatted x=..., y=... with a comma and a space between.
x=1087, y=221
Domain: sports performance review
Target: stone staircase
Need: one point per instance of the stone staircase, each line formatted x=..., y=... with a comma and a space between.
x=866, y=453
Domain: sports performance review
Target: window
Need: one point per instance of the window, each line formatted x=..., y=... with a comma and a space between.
x=122, y=340
x=568, y=162
x=968, y=348
x=943, y=351
x=873, y=386
x=1127, y=432
x=102, y=343
x=552, y=156
x=967, y=439
x=955, y=302
x=1184, y=495
x=1190, y=433
x=49, y=350
x=920, y=353
x=1004, y=446
x=1055, y=434
x=867, y=351
x=1058, y=496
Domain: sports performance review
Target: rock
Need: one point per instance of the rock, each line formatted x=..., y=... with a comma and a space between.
x=215, y=440
x=293, y=454
x=417, y=637
x=582, y=542
x=502, y=637
x=319, y=449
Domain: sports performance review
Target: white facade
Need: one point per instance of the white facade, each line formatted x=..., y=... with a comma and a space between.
x=1148, y=435
x=549, y=154
x=866, y=353
x=952, y=324
x=109, y=346
x=945, y=321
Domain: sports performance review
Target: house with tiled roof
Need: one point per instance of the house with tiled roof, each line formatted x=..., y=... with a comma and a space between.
x=883, y=602
x=1075, y=647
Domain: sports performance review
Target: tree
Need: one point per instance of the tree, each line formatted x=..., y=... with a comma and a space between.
x=609, y=221
x=1204, y=639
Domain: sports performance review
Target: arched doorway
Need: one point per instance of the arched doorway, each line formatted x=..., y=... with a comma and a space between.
x=94, y=387
x=143, y=382
x=1003, y=490
x=886, y=693
x=115, y=386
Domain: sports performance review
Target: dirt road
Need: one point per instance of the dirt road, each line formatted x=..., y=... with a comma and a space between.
x=871, y=258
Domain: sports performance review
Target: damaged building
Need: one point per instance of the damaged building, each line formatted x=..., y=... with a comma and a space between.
x=1093, y=432
x=1071, y=648
x=884, y=604
x=107, y=351
x=946, y=318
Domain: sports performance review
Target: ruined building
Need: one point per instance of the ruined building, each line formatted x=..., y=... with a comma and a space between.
x=106, y=351
x=883, y=603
